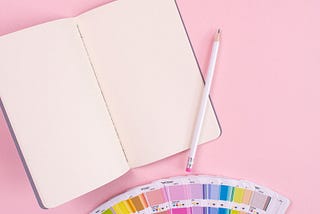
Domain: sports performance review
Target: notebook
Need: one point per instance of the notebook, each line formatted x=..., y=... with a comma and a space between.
x=90, y=97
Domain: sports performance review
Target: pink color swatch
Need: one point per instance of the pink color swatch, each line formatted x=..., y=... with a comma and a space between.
x=156, y=197
x=164, y=212
x=265, y=92
x=180, y=211
x=177, y=192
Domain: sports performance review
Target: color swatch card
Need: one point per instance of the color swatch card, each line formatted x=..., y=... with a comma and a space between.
x=199, y=194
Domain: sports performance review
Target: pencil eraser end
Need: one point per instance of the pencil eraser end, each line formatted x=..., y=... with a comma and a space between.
x=188, y=169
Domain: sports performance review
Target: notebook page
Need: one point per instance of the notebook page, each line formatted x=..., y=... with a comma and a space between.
x=149, y=76
x=57, y=112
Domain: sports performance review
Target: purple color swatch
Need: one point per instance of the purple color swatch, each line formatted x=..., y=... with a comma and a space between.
x=197, y=210
x=196, y=191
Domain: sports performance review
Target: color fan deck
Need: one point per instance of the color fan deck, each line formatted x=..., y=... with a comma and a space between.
x=200, y=194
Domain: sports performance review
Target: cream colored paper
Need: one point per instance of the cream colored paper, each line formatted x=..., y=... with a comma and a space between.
x=57, y=112
x=148, y=75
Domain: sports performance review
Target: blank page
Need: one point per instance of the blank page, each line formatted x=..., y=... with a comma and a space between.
x=148, y=75
x=57, y=112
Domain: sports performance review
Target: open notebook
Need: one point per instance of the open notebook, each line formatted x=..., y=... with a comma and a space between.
x=90, y=97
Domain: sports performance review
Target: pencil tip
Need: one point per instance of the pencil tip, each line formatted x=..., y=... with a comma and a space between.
x=218, y=34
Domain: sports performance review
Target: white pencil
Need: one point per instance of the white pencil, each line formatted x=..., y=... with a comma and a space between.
x=204, y=101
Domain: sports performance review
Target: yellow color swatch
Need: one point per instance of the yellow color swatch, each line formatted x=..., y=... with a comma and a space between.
x=121, y=208
x=238, y=195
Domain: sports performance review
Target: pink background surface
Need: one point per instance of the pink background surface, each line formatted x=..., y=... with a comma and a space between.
x=266, y=93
